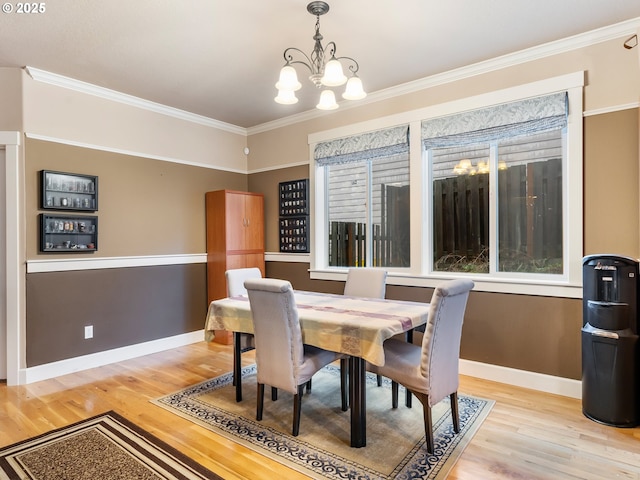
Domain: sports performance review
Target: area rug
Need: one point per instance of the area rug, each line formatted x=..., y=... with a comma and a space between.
x=104, y=447
x=395, y=437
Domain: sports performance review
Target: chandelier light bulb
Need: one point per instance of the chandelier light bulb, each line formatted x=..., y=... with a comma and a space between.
x=333, y=74
x=288, y=79
x=465, y=164
x=327, y=100
x=354, y=90
x=286, y=97
x=458, y=170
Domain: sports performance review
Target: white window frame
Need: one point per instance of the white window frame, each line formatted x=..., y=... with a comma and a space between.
x=420, y=273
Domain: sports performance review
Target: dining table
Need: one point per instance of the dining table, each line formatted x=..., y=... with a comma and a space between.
x=354, y=326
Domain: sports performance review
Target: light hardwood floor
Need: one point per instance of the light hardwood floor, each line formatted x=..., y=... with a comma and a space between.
x=528, y=434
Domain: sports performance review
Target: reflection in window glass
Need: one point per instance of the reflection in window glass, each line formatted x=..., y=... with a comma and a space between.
x=461, y=209
x=347, y=213
x=368, y=213
x=530, y=204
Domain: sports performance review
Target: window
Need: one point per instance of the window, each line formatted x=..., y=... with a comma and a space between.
x=517, y=150
x=494, y=183
x=367, y=185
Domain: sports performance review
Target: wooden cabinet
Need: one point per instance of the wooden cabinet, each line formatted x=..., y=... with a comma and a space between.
x=235, y=239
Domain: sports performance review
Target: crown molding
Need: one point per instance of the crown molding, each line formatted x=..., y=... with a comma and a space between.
x=108, y=94
x=549, y=49
x=568, y=44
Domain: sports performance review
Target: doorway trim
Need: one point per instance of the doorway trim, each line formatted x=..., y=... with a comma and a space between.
x=14, y=257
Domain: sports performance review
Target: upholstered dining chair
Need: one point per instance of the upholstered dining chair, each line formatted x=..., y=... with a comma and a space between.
x=365, y=282
x=430, y=371
x=282, y=360
x=242, y=342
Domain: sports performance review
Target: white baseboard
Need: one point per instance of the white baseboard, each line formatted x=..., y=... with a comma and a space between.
x=521, y=378
x=63, y=367
x=511, y=376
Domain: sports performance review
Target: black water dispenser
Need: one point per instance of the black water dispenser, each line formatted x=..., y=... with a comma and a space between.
x=610, y=347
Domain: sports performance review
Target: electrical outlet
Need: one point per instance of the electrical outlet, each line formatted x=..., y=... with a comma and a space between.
x=88, y=331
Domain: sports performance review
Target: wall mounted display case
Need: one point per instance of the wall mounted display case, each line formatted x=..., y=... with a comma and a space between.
x=68, y=191
x=294, y=234
x=294, y=198
x=294, y=216
x=64, y=233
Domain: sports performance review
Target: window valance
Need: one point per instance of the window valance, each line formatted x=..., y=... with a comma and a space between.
x=366, y=146
x=523, y=117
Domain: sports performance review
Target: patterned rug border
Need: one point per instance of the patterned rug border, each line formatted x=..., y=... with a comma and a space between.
x=152, y=449
x=417, y=464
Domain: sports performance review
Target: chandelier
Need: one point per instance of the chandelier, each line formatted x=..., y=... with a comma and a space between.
x=324, y=73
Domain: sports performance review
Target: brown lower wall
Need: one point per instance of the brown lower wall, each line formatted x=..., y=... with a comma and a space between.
x=536, y=334
x=126, y=306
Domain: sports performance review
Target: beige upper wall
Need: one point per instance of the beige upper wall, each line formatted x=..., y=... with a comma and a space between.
x=612, y=80
x=146, y=206
x=10, y=100
x=62, y=113
x=611, y=175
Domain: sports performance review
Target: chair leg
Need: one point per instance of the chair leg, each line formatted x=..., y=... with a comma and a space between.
x=379, y=379
x=428, y=427
x=454, y=412
x=428, y=424
x=260, y=401
x=309, y=386
x=274, y=394
x=297, y=407
x=394, y=394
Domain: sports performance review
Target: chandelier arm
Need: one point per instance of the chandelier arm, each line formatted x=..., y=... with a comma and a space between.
x=353, y=68
x=331, y=49
x=289, y=58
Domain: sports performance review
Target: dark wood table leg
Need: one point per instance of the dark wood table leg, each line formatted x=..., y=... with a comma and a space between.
x=358, y=402
x=237, y=365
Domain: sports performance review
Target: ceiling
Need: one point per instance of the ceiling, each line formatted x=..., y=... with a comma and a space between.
x=221, y=58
